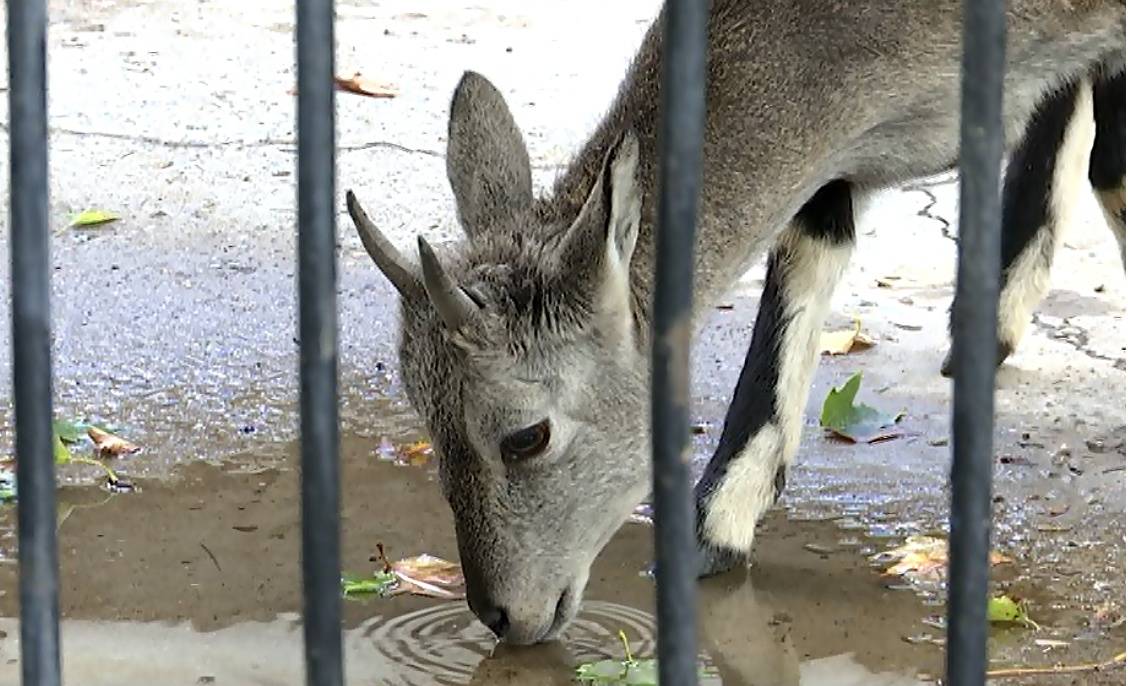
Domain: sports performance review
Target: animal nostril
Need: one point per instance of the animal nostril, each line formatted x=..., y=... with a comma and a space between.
x=497, y=621
x=500, y=623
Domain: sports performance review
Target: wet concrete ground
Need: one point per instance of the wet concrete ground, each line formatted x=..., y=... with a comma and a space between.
x=177, y=324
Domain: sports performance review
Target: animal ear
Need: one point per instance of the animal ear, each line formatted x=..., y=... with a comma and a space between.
x=487, y=163
x=601, y=241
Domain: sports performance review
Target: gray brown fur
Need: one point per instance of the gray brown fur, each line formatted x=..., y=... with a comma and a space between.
x=800, y=93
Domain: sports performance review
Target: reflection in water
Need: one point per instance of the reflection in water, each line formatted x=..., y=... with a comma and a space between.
x=445, y=644
x=442, y=644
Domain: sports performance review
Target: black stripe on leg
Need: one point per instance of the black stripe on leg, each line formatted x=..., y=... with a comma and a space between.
x=1106, y=164
x=828, y=215
x=1028, y=187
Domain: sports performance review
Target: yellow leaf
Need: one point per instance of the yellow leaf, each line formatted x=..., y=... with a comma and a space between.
x=924, y=558
x=417, y=454
x=361, y=85
x=1005, y=610
x=845, y=340
x=93, y=218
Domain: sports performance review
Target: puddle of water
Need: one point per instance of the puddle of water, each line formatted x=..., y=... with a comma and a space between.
x=198, y=576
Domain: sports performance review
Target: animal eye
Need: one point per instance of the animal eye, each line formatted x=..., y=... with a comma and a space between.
x=526, y=443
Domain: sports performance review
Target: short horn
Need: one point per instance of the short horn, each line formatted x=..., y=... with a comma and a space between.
x=403, y=275
x=455, y=306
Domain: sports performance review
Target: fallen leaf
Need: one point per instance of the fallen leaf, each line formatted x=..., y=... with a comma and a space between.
x=844, y=341
x=74, y=431
x=616, y=673
x=422, y=575
x=626, y=672
x=107, y=444
x=429, y=576
x=1005, y=610
x=8, y=489
x=923, y=558
x=380, y=583
x=93, y=218
x=858, y=423
x=361, y=85
x=68, y=432
x=416, y=454
x=61, y=451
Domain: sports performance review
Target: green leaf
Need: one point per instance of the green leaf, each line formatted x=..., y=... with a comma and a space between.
x=69, y=432
x=7, y=486
x=1005, y=610
x=859, y=422
x=93, y=218
x=380, y=583
x=62, y=452
x=75, y=431
x=602, y=672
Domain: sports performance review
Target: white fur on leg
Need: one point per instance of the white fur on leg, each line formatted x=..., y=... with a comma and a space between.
x=813, y=269
x=1029, y=277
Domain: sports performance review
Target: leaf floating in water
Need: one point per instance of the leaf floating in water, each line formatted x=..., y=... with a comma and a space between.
x=858, y=423
x=8, y=489
x=1005, y=610
x=93, y=218
x=417, y=454
x=67, y=431
x=626, y=672
x=379, y=584
x=61, y=451
x=845, y=341
x=422, y=575
x=429, y=576
x=923, y=558
x=107, y=444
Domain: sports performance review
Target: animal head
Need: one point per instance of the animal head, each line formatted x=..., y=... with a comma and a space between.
x=521, y=349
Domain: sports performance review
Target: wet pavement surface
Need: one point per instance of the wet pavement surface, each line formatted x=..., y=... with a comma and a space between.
x=177, y=324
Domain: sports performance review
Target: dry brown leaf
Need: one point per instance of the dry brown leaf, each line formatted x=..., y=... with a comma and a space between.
x=107, y=444
x=361, y=85
x=924, y=558
x=845, y=340
x=429, y=576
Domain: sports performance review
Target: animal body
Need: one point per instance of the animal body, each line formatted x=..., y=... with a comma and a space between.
x=525, y=348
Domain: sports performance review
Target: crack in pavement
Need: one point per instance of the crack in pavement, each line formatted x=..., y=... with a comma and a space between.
x=291, y=144
x=1077, y=338
x=945, y=225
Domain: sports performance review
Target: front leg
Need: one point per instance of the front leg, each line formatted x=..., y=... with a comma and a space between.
x=762, y=426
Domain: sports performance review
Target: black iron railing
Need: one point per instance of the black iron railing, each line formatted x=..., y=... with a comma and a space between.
x=317, y=330
x=679, y=182
x=31, y=342
x=974, y=338
x=682, y=131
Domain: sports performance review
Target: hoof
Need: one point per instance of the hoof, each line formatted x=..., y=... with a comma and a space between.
x=1004, y=351
x=713, y=560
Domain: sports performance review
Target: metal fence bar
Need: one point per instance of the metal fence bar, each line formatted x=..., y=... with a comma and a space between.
x=681, y=136
x=317, y=310
x=31, y=342
x=974, y=321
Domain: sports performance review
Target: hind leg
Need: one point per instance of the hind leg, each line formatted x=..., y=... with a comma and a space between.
x=1106, y=164
x=1044, y=180
x=762, y=425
